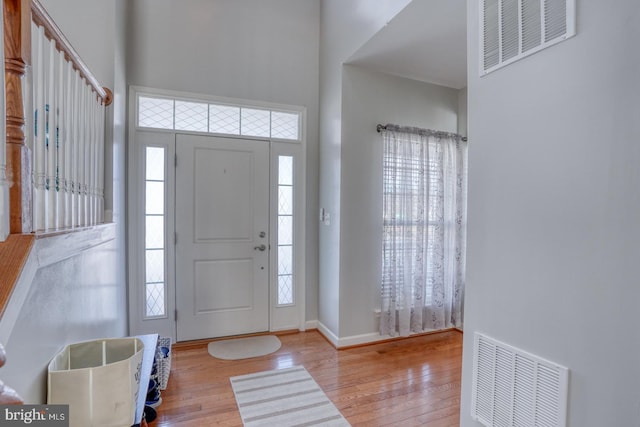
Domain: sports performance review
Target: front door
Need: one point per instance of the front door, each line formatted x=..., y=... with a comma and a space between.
x=222, y=242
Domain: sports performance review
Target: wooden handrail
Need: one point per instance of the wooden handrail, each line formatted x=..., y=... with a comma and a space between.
x=52, y=32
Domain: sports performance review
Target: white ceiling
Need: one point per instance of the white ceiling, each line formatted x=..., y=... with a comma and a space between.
x=426, y=41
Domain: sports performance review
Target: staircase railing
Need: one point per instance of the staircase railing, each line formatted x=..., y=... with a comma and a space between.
x=55, y=166
x=68, y=144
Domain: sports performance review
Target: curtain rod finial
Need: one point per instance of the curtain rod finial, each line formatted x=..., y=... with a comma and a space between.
x=379, y=128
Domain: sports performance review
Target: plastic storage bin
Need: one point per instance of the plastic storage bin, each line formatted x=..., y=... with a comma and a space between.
x=98, y=380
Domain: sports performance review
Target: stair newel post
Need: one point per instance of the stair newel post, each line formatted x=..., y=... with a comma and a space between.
x=17, y=59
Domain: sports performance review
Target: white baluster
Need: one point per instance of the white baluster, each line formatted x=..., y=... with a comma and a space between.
x=60, y=137
x=74, y=150
x=50, y=125
x=81, y=150
x=89, y=156
x=39, y=149
x=94, y=159
x=101, y=164
x=86, y=153
x=68, y=113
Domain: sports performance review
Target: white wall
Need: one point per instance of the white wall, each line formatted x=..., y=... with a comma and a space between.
x=553, y=210
x=89, y=25
x=462, y=112
x=344, y=28
x=116, y=156
x=72, y=295
x=254, y=50
x=370, y=98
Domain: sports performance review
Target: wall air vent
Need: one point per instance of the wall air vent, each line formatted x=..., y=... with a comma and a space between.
x=513, y=29
x=515, y=388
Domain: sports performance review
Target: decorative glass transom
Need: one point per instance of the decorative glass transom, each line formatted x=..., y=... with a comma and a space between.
x=198, y=116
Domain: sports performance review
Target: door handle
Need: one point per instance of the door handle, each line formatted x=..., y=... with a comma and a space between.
x=260, y=248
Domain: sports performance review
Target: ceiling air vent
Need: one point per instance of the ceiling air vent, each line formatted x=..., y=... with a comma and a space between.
x=515, y=388
x=513, y=29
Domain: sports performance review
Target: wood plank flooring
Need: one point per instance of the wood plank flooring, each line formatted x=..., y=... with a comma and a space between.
x=410, y=382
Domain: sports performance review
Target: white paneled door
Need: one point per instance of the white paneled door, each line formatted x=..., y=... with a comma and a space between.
x=222, y=249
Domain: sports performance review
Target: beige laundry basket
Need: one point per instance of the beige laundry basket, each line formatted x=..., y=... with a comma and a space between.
x=99, y=380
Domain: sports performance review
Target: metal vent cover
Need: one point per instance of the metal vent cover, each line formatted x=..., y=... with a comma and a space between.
x=513, y=29
x=514, y=388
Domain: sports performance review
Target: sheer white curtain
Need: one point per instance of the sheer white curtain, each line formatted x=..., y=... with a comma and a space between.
x=424, y=237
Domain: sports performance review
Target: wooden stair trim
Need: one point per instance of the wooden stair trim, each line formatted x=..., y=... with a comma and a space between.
x=13, y=255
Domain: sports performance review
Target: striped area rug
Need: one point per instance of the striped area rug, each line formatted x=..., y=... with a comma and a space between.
x=284, y=397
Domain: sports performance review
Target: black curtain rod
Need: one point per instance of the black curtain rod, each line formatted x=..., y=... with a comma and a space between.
x=380, y=128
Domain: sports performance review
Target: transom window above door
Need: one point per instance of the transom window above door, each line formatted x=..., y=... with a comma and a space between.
x=197, y=116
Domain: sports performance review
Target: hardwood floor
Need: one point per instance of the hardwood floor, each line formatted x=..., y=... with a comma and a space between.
x=410, y=382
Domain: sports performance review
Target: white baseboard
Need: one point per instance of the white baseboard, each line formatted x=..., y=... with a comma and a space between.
x=326, y=332
x=311, y=324
x=363, y=339
x=351, y=340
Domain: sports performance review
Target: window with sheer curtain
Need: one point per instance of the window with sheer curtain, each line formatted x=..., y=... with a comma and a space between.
x=424, y=235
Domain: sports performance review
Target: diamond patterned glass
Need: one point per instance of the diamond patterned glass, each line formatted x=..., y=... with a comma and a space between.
x=155, y=299
x=192, y=116
x=155, y=163
x=155, y=112
x=154, y=198
x=285, y=125
x=285, y=260
x=285, y=230
x=154, y=266
x=224, y=119
x=285, y=170
x=285, y=200
x=255, y=122
x=154, y=232
x=285, y=290
x=162, y=113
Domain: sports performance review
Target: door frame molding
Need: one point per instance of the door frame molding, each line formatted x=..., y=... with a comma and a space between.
x=280, y=318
